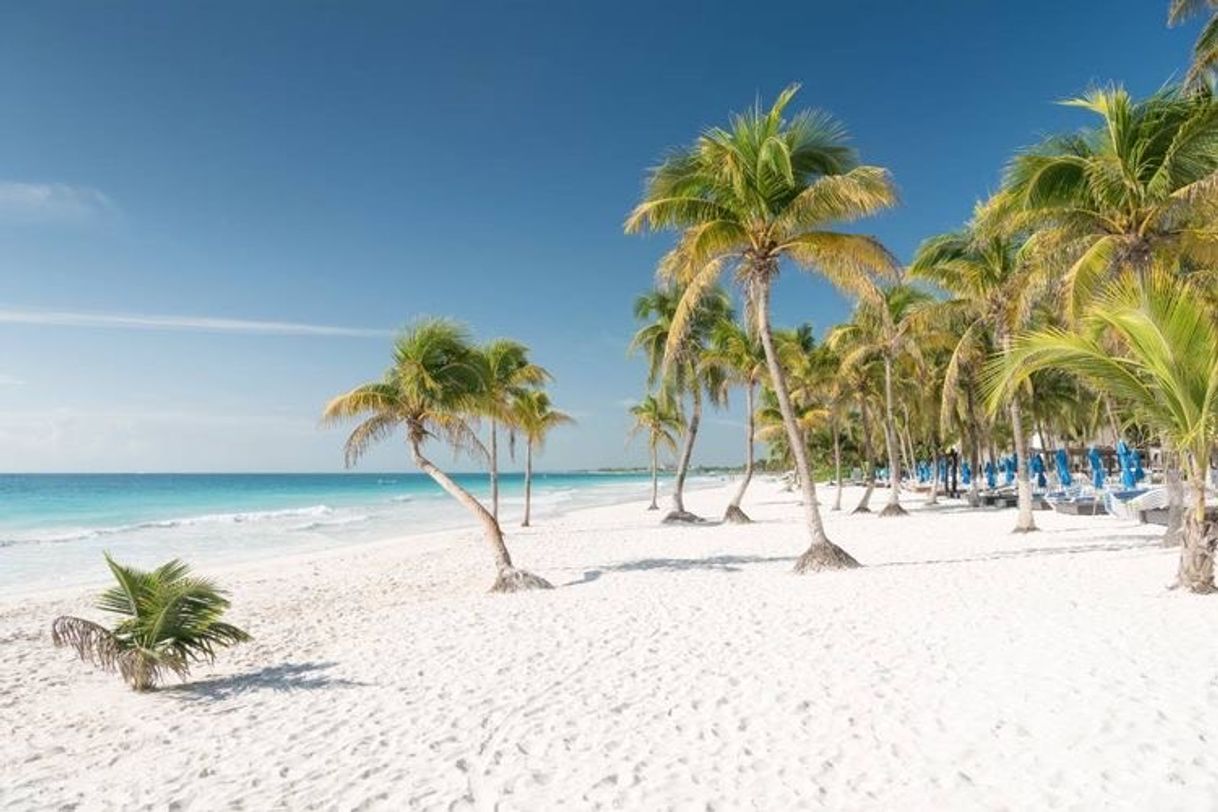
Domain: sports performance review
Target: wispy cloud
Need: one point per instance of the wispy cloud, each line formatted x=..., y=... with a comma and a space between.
x=9, y=380
x=199, y=324
x=51, y=202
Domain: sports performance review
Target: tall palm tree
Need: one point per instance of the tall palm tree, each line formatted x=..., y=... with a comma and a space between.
x=434, y=388
x=1164, y=369
x=745, y=198
x=1205, y=49
x=170, y=620
x=1135, y=192
x=507, y=374
x=992, y=291
x=682, y=374
x=660, y=419
x=534, y=417
x=737, y=353
x=885, y=326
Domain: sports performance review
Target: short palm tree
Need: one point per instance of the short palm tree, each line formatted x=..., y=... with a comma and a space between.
x=659, y=418
x=737, y=353
x=684, y=374
x=745, y=198
x=1136, y=192
x=1164, y=369
x=507, y=373
x=1205, y=49
x=534, y=417
x=171, y=619
x=433, y=390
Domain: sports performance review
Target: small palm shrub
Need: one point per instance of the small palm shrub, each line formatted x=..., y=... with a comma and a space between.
x=170, y=619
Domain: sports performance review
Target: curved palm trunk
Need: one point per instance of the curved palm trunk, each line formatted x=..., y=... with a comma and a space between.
x=508, y=579
x=734, y=513
x=655, y=481
x=1173, y=536
x=821, y=553
x=864, y=505
x=1023, y=481
x=495, y=469
x=679, y=513
x=528, y=481
x=893, y=508
x=1201, y=535
x=837, y=463
x=974, y=440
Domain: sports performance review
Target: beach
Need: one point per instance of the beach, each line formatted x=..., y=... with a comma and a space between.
x=962, y=667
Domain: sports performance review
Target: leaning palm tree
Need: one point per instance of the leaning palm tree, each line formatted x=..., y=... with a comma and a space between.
x=433, y=389
x=992, y=290
x=1136, y=192
x=738, y=354
x=660, y=419
x=171, y=619
x=534, y=417
x=507, y=373
x=1164, y=369
x=1205, y=49
x=747, y=197
x=684, y=375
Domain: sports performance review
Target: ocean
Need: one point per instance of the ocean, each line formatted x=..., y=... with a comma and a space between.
x=55, y=527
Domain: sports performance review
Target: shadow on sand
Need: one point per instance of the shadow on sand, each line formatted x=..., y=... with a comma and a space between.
x=279, y=678
x=719, y=563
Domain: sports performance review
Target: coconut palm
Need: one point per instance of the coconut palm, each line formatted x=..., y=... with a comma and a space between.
x=433, y=390
x=744, y=199
x=1137, y=191
x=992, y=290
x=170, y=620
x=683, y=374
x=885, y=326
x=534, y=417
x=1164, y=370
x=737, y=353
x=507, y=373
x=660, y=419
x=1205, y=49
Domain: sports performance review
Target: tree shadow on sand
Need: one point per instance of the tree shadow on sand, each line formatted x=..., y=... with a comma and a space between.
x=284, y=678
x=719, y=563
x=1114, y=545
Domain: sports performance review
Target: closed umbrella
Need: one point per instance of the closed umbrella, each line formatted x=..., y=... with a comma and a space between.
x=1128, y=478
x=966, y=474
x=1038, y=468
x=1063, y=468
x=1008, y=469
x=1097, y=467
x=991, y=475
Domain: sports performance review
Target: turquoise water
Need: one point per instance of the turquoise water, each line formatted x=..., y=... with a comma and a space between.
x=54, y=527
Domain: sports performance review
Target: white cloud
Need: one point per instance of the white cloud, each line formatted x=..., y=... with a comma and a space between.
x=203, y=324
x=9, y=380
x=45, y=202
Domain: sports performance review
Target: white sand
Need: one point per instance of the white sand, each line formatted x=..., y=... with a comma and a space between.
x=964, y=668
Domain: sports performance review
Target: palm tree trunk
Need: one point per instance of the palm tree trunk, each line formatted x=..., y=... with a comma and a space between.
x=864, y=505
x=528, y=481
x=821, y=553
x=837, y=462
x=495, y=469
x=509, y=579
x=679, y=513
x=1201, y=535
x=655, y=482
x=734, y=513
x=893, y=508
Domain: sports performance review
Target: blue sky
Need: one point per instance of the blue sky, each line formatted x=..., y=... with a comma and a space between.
x=256, y=165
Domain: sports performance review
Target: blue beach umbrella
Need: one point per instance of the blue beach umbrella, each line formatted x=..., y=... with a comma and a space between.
x=966, y=474
x=1128, y=478
x=991, y=474
x=1063, y=468
x=1038, y=468
x=1008, y=469
x=1097, y=467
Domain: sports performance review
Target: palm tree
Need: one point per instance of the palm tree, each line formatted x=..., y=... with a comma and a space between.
x=738, y=354
x=681, y=374
x=434, y=388
x=885, y=326
x=748, y=197
x=992, y=290
x=1205, y=49
x=533, y=416
x=658, y=416
x=1136, y=192
x=171, y=619
x=507, y=374
x=1164, y=369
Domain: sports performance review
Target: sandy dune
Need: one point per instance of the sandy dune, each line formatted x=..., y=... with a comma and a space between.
x=963, y=668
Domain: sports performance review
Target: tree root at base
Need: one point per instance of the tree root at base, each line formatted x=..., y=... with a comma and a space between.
x=824, y=556
x=735, y=515
x=514, y=580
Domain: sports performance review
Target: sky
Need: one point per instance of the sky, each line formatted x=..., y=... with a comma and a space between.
x=213, y=216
